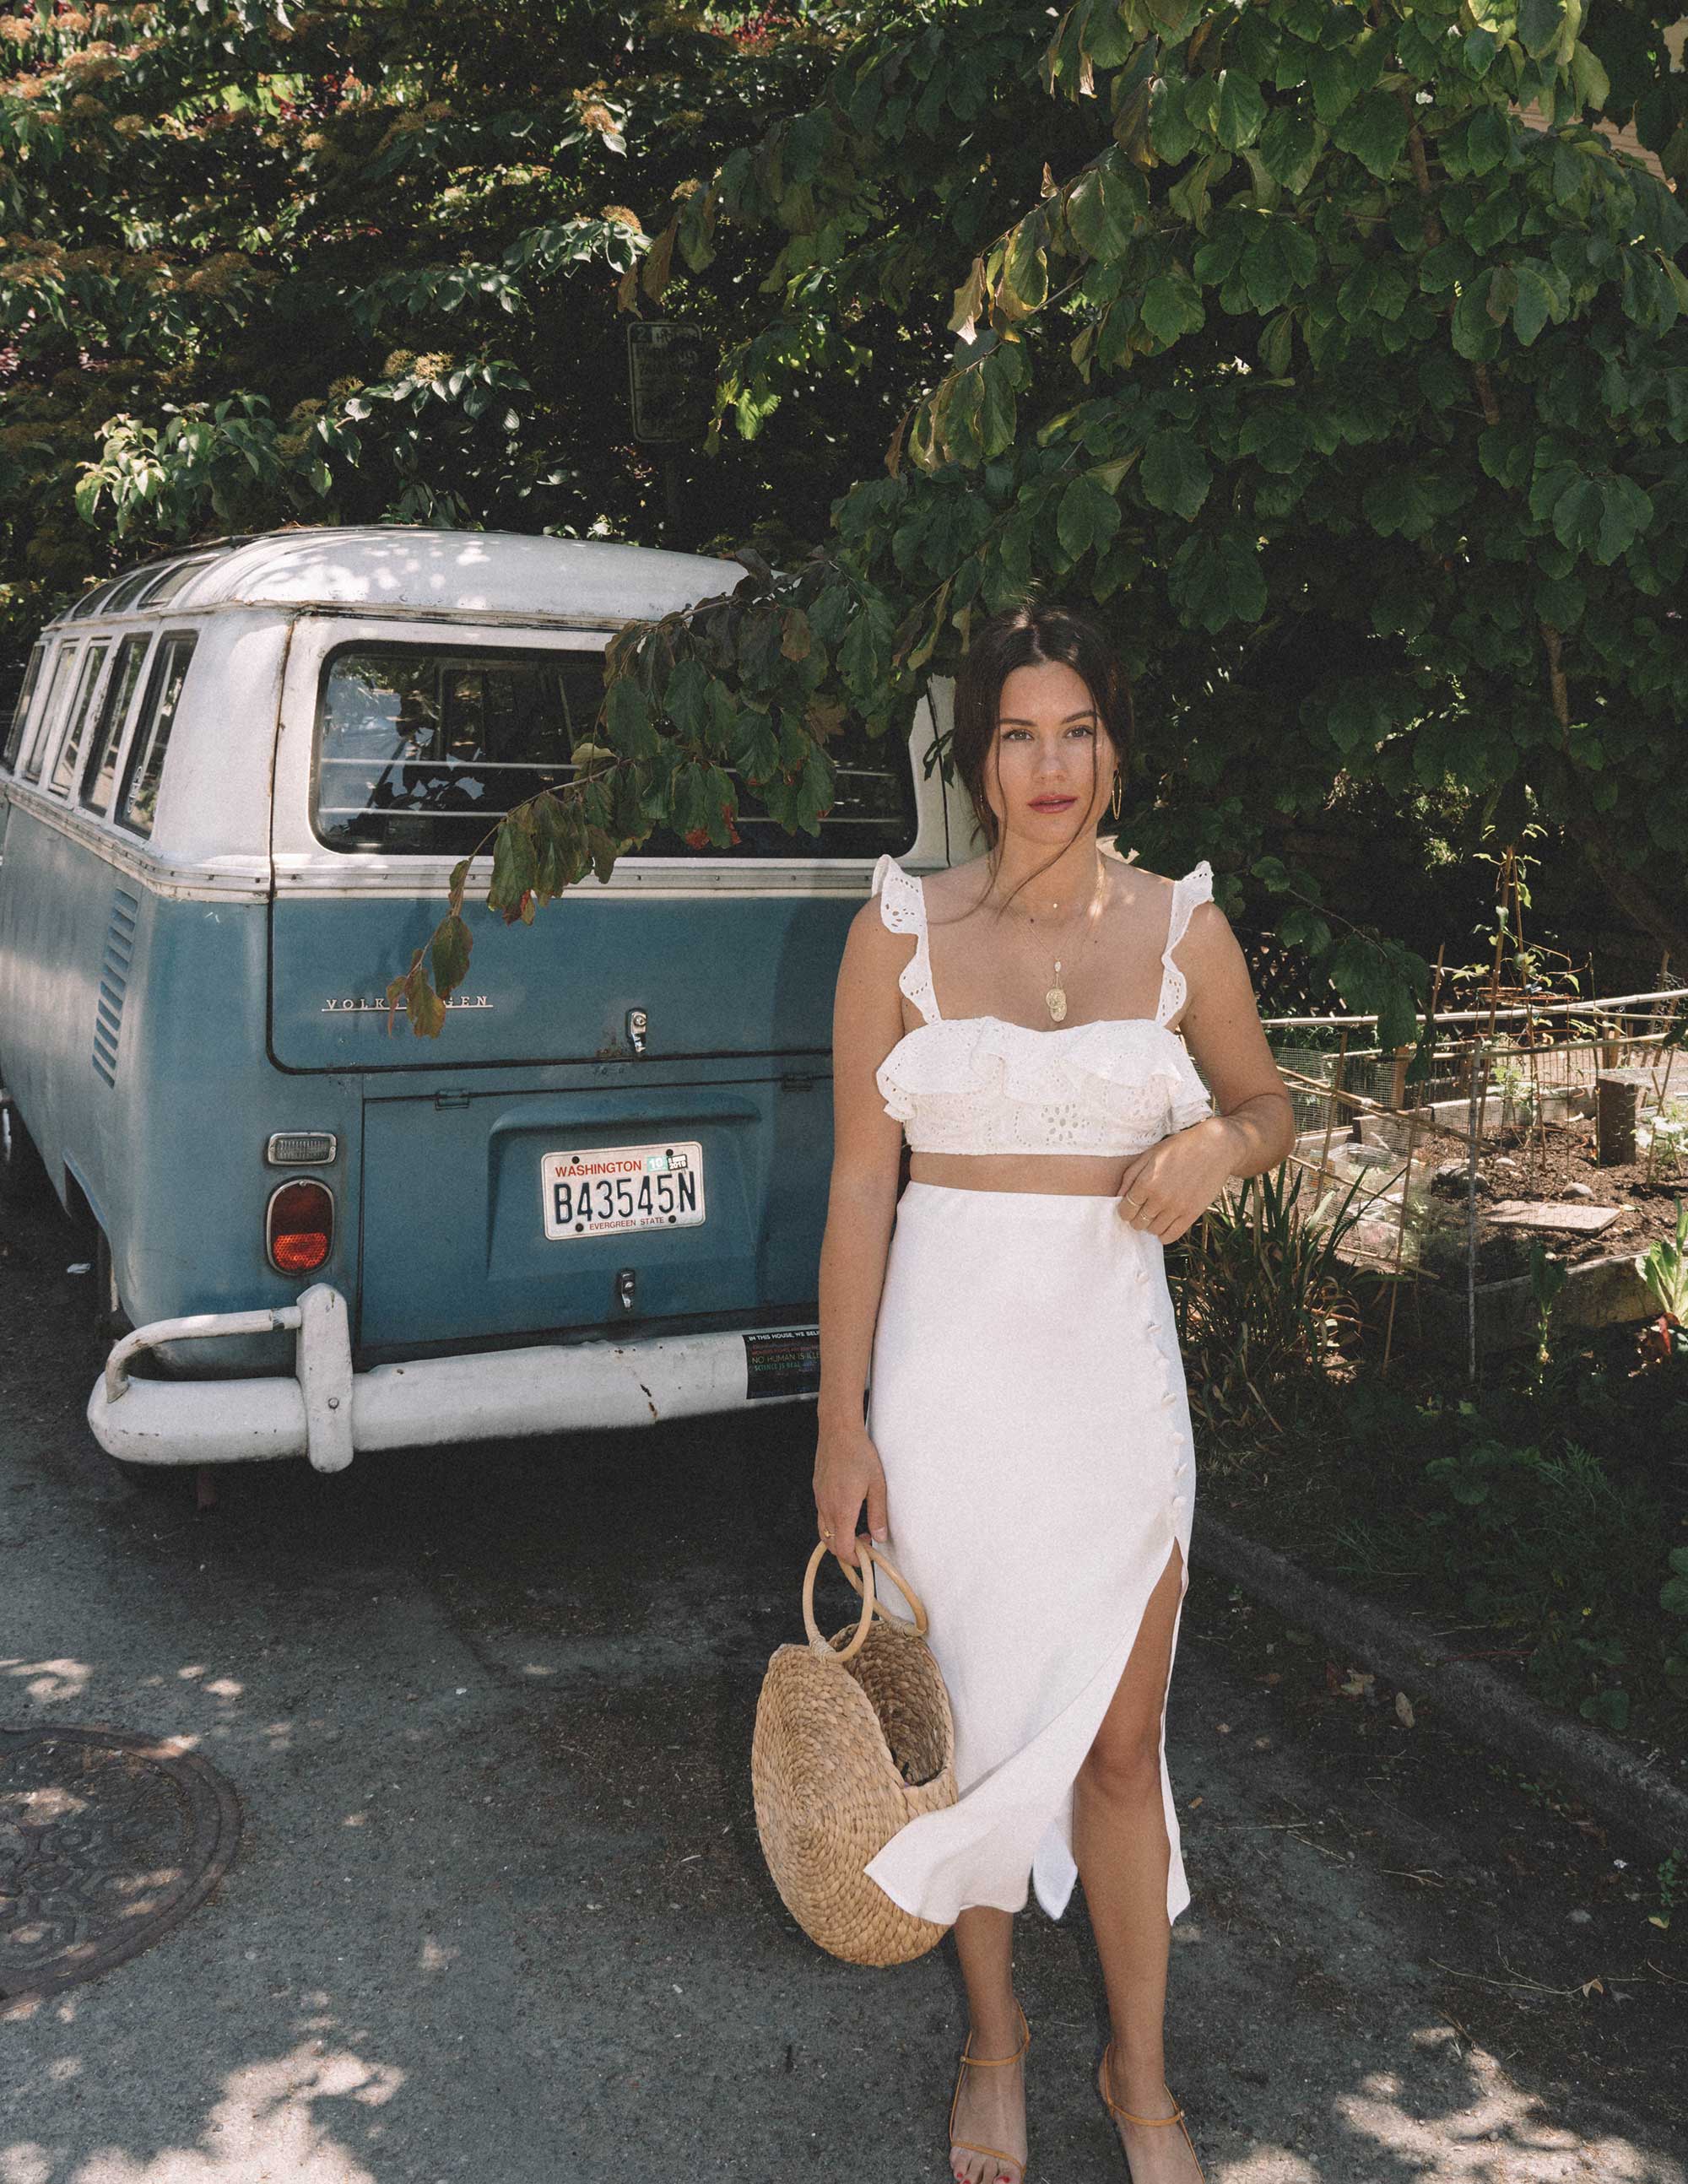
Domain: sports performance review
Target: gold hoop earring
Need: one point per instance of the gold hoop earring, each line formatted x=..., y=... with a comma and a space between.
x=1118, y=800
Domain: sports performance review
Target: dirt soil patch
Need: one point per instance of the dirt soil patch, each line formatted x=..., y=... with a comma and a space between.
x=1544, y=1164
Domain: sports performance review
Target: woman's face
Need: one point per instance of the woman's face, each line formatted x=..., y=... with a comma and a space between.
x=1050, y=770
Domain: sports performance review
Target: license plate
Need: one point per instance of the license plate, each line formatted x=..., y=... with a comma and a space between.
x=602, y=1191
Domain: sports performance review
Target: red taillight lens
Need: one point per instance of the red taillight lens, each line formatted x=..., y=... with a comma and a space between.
x=299, y=1231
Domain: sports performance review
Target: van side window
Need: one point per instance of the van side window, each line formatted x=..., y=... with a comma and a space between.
x=81, y=705
x=139, y=800
x=119, y=689
x=421, y=749
x=48, y=719
x=20, y=712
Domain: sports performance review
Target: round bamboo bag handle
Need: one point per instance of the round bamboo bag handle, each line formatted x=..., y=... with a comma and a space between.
x=864, y=1585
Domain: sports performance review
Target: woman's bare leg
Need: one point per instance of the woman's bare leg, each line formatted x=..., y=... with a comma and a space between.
x=1119, y=1841
x=992, y=2107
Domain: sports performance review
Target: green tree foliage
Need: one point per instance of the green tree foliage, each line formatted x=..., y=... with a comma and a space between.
x=357, y=263
x=1359, y=406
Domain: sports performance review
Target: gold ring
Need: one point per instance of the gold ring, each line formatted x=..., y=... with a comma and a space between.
x=825, y=1535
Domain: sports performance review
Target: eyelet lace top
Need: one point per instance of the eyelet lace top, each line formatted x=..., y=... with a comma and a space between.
x=981, y=1084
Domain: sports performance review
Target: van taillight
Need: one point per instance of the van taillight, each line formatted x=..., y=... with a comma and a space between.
x=298, y=1230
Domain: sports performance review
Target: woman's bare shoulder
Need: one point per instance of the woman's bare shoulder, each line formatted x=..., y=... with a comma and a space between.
x=1158, y=882
x=953, y=892
x=868, y=922
x=871, y=945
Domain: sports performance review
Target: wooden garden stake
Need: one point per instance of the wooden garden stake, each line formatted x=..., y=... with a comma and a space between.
x=1663, y=1094
x=1400, y=1239
x=1477, y=1057
x=1333, y=1096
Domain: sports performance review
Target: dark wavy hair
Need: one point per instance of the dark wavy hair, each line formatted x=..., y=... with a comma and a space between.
x=1023, y=637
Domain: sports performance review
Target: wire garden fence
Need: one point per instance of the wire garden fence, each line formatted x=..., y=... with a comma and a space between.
x=1377, y=1129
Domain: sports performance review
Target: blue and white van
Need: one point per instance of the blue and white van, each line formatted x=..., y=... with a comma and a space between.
x=233, y=787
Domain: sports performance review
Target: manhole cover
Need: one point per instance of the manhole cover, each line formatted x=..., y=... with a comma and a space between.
x=107, y=1842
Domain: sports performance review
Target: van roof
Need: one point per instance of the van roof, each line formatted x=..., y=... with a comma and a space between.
x=415, y=569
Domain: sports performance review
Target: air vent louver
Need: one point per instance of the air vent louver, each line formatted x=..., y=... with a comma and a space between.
x=119, y=948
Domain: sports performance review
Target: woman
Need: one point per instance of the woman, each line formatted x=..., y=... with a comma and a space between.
x=1025, y=1454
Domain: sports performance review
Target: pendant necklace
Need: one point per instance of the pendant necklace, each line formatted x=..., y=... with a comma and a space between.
x=1054, y=997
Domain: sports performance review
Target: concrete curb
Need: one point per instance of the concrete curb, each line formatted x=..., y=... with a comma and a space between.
x=1609, y=1777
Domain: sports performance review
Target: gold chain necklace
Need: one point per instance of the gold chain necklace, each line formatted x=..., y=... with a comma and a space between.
x=1054, y=997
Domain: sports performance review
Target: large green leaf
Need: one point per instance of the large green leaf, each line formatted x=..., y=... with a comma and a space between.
x=1025, y=267
x=1242, y=110
x=1102, y=209
x=1171, y=306
x=1374, y=131
x=1108, y=34
x=1175, y=473
x=1535, y=305
x=1538, y=25
x=998, y=414
x=1216, y=579
x=1289, y=147
x=1088, y=515
x=1399, y=504
x=1171, y=130
x=1278, y=258
x=1335, y=77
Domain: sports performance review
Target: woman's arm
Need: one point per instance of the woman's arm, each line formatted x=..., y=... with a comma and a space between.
x=861, y=1202
x=1168, y=1188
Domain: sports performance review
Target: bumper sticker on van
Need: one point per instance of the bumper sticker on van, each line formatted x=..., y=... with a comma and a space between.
x=784, y=1361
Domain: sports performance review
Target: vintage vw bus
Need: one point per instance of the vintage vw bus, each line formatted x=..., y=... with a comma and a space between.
x=234, y=785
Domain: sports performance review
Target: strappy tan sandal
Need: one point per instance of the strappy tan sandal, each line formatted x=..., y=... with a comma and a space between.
x=987, y=2063
x=1177, y=2115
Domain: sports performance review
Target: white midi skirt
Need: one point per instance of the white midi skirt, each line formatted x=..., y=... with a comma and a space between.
x=1027, y=1399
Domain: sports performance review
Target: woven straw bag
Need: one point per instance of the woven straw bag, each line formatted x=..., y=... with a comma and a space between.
x=851, y=1741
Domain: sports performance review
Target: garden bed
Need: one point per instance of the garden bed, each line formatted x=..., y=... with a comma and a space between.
x=1542, y=1185
x=1555, y=1165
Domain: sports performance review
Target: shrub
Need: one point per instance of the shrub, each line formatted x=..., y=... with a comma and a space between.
x=1264, y=1306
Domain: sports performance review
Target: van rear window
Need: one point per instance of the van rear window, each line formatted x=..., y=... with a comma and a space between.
x=421, y=749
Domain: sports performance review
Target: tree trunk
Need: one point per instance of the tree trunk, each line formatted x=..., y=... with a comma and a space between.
x=1666, y=921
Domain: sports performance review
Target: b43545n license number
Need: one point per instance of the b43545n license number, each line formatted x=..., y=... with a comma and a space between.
x=606, y=1188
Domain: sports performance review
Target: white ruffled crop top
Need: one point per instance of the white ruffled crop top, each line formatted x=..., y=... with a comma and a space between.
x=981, y=1084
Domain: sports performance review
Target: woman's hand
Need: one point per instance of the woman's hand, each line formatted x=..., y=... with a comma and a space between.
x=1168, y=1188
x=847, y=1472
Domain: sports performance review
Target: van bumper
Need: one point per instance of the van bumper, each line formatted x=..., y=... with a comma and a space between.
x=328, y=1413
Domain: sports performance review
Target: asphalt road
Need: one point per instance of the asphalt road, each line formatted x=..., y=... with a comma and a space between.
x=499, y=1909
